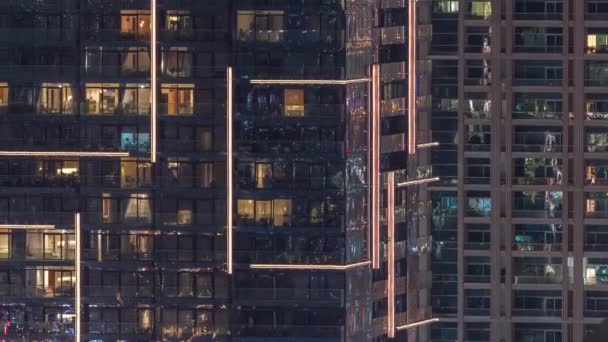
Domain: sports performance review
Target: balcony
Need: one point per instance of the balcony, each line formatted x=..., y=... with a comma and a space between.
x=596, y=238
x=537, y=10
x=477, y=237
x=538, y=40
x=535, y=303
x=596, y=73
x=537, y=73
x=530, y=106
x=527, y=140
x=536, y=271
x=596, y=304
x=477, y=106
x=537, y=171
x=477, y=302
x=546, y=237
x=550, y=207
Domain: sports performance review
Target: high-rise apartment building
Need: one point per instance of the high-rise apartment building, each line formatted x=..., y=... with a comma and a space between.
x=515, y=91
x=201, y=170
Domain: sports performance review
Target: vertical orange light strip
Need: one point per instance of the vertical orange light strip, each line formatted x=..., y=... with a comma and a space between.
x=375, y=167
x=229, y=167
x=153, y=81
x=77, y=304
x=390, y=284
x=411, y=104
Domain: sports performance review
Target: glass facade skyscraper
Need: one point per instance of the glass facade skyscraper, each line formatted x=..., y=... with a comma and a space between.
x=303, y=170
x=204, y=171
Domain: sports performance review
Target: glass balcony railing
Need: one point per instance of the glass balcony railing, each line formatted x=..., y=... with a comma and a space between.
x=538, y=9
x=537, y=141
x=532, y=274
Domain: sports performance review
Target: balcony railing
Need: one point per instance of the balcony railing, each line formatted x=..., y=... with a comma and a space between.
x=535, y=312
x=537, y=48
x=538, y=279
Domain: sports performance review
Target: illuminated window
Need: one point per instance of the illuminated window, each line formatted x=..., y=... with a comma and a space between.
x=177, y=99
x=281, y=212
x=137, y=208
x=481, y=9
x=101, y=98
x=184, y=212
x=135, y=23
x=263, y=212
x=445, y=6
x=178, y=21
x=3, y=94
x=263, y=176
x=260, y=25
x=55, y=98
x=133, y=140
x=5, y=244
x=294, y=102
x=136, y=99
x=597, y=43
x=135, y=174
x=145, y=321
x=245, y=211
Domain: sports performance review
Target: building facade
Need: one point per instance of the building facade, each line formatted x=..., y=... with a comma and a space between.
x=208, y=171
x=515, y=93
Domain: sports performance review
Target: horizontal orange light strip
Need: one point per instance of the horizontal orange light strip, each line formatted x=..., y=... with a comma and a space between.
x=336, y=82
x=61, y=154
x=417, y=324
x=308, y=266
x=425, y=145
x=27, y=226
x=418, y=181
